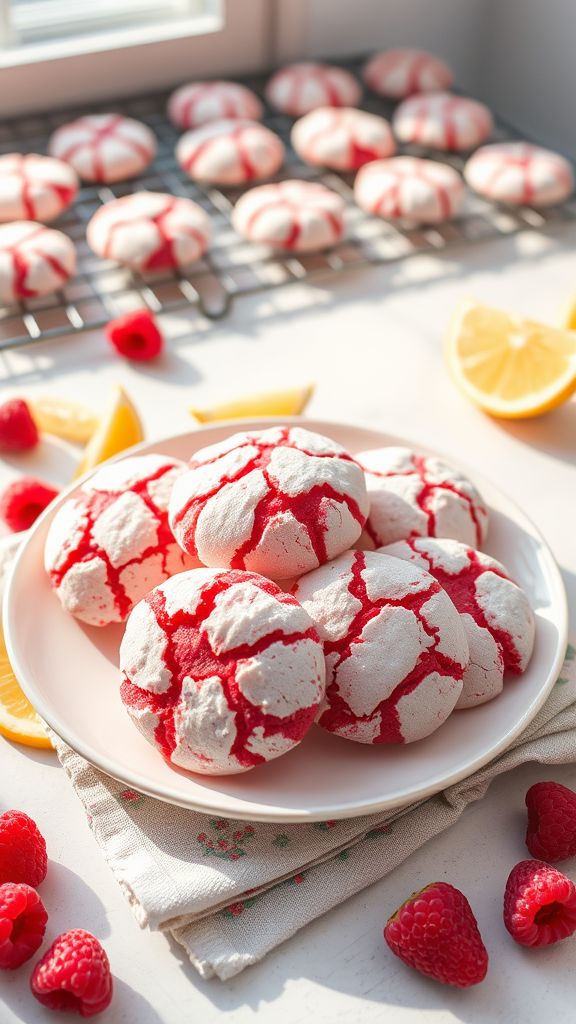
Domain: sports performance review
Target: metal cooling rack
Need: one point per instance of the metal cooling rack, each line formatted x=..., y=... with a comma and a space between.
x=101, y=290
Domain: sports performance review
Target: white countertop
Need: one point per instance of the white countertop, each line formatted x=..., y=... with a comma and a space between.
x=372, y=342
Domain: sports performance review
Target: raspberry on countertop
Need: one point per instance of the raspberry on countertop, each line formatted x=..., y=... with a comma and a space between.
x=551, y=832
x=74, y=975
x=23, y=856
x=23, y=920
x=435, y=932
x=539, y=904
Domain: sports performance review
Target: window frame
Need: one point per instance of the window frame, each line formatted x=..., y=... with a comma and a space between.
x=52, y=25
x=234, y=37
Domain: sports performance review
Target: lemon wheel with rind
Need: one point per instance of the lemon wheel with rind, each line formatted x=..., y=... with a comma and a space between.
x=510, y=367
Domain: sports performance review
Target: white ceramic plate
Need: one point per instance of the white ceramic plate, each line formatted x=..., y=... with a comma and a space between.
x=70, y=674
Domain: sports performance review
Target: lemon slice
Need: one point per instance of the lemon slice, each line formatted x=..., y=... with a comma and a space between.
x=570, y=318
x=510, y=367
x=64, y=419
x=273, y=403
x=18, y=720
x=119, y=428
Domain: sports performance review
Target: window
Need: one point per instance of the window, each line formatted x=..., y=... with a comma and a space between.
x=70, y=26
x=62, y=53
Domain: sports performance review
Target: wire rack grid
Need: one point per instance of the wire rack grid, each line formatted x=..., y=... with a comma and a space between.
x=101, y=290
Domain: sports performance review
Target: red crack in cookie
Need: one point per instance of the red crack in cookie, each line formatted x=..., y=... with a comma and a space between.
x=222, y=670
x=200, y=102
x=519, y=173
x=415, y=495
x=300, y=216
x=34, y=260
x=279, y=501
x=34, y=187
x=400, y=73
x=405, y=187
x=395, y=647
x=150, y=231
x=442, y=121
x=495, y=612
x=230, y=152
x=111, y=543
x=298, y=88
x=343, y=139
x=104, y=147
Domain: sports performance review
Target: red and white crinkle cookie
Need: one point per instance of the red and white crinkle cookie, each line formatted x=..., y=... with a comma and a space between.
x=104, y=147
x=405, y=187
x=150, y=231
x=495, y=612
x=415, y=495
x=34, y=260
x=342, y=139
x=278, y=501
x=400, y=73
x=34, y=187
x=300, y=216
x=520, y=173
x=442, y=121
x=298, y=88
x=110, y=543
x=200, y=102
x=230, y=152
x=222, y=670
x=395, y=647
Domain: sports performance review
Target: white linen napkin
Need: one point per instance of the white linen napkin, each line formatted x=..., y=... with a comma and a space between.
x=230, y=891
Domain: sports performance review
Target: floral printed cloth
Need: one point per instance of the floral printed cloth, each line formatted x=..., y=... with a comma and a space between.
x=229, y=891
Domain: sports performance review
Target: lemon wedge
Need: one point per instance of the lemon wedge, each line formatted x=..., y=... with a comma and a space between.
x=64, y=419
x=119, y=428
x=18, y=720
x=510, y=367
x=290, y=402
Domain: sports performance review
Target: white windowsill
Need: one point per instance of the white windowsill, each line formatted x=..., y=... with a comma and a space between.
x=102, y=41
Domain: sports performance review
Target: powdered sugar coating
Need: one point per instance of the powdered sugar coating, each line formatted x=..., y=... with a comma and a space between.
x=520, y=173
x=34, y=187
x=395, y=647
x=104, y=147
x=495, y=612
x=230, y=152
x=200, y=102
x=301, y=216
x=279, y=501
x=405, y=187
x=150, y=231
x=442, y=121
x=110, y=542
x=415, y=495
x=222, y=670
x=34, y=260
x=298, y=88
x=344, y=139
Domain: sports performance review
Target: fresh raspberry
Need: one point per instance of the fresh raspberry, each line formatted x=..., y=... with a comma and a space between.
x=22, y=502
x=22, y=924
x=18, y=431
x=539, y=904
x=551, y=832
x=74, y=975
x=436, y=932
x=136, y=335
x=23, y=856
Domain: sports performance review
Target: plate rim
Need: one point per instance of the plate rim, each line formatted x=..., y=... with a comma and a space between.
x=349, y=809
